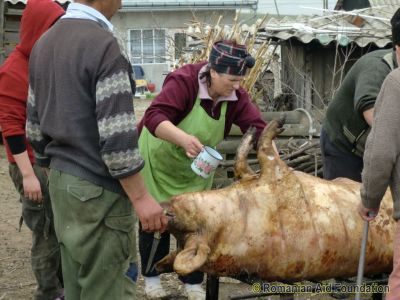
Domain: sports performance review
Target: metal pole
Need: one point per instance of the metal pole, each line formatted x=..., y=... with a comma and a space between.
x=361, y=263
x=212, y=287
x=276, y=7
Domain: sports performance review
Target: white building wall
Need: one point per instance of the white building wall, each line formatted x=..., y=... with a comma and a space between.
x=171, y=21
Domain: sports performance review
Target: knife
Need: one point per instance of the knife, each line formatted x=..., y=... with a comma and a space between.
x=156, y=241
x=154, y=246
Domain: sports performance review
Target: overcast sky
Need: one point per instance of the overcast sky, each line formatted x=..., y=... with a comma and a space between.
x=290, y=7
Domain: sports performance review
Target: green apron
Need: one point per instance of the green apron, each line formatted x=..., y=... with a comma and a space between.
x=167, y=170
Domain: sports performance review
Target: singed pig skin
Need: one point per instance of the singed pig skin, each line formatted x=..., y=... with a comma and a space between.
x=281, y=225
x=277, y=235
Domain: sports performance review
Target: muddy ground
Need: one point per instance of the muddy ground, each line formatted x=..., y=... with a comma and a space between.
x=16, y=278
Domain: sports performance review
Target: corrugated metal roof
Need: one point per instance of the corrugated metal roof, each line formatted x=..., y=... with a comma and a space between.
x=339, y=26
x=175, y=3
x=384, y=2
x=131, y=5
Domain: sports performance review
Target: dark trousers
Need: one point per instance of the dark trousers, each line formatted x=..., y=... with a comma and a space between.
x=337, y=163
x=145, y=243
x=45, y=251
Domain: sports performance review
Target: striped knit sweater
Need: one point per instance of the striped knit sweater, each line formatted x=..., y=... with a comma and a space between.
x=80, y=104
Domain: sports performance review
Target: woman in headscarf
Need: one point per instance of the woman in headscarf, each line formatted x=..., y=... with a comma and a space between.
x=197, y=106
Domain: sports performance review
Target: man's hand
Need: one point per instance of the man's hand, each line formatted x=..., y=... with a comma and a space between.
x=150, y=214
x=369, y=116
x=32, y=189
x=367, y=214
x=46, y=171
x=31, y=184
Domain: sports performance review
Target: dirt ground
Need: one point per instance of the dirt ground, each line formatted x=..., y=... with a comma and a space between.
x=16, y=278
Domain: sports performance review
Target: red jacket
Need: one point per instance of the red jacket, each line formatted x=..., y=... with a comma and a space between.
x=37, y=17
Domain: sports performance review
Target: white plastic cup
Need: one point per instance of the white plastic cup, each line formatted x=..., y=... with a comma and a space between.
x=206, y=162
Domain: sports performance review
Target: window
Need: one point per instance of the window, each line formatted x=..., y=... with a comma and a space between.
x=147, y=46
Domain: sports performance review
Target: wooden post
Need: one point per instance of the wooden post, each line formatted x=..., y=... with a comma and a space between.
x=308, y=81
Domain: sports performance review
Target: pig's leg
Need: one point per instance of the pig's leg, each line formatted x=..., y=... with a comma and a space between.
x=242, y=169
x=165, y=265
x=193, y=256
x=275, y=172
x=272, y=167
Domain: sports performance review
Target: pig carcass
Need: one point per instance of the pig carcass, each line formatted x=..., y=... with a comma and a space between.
x=278, y=225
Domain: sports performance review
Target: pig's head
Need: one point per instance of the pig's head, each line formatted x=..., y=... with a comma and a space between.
x=184, y=215
x=186, y=225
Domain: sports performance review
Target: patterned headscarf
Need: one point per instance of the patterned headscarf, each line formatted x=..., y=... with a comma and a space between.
x=230, y=58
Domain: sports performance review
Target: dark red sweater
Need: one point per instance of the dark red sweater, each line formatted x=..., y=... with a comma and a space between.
x=178, y=96
x=37, y=17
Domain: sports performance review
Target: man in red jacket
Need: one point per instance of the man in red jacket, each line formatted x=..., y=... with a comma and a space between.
x=30, y=180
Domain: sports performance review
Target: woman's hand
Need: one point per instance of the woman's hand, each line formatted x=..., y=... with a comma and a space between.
x=169, y=132
x=192, y=145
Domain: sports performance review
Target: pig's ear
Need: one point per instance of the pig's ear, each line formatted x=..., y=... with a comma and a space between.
x=192, y=257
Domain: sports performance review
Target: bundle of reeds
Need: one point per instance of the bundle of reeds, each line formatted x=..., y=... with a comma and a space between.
x=205, y=35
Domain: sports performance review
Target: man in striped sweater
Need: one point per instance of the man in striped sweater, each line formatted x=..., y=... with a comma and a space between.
x=81, y=124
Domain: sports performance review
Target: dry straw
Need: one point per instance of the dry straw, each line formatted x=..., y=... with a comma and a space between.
x=204, y=35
